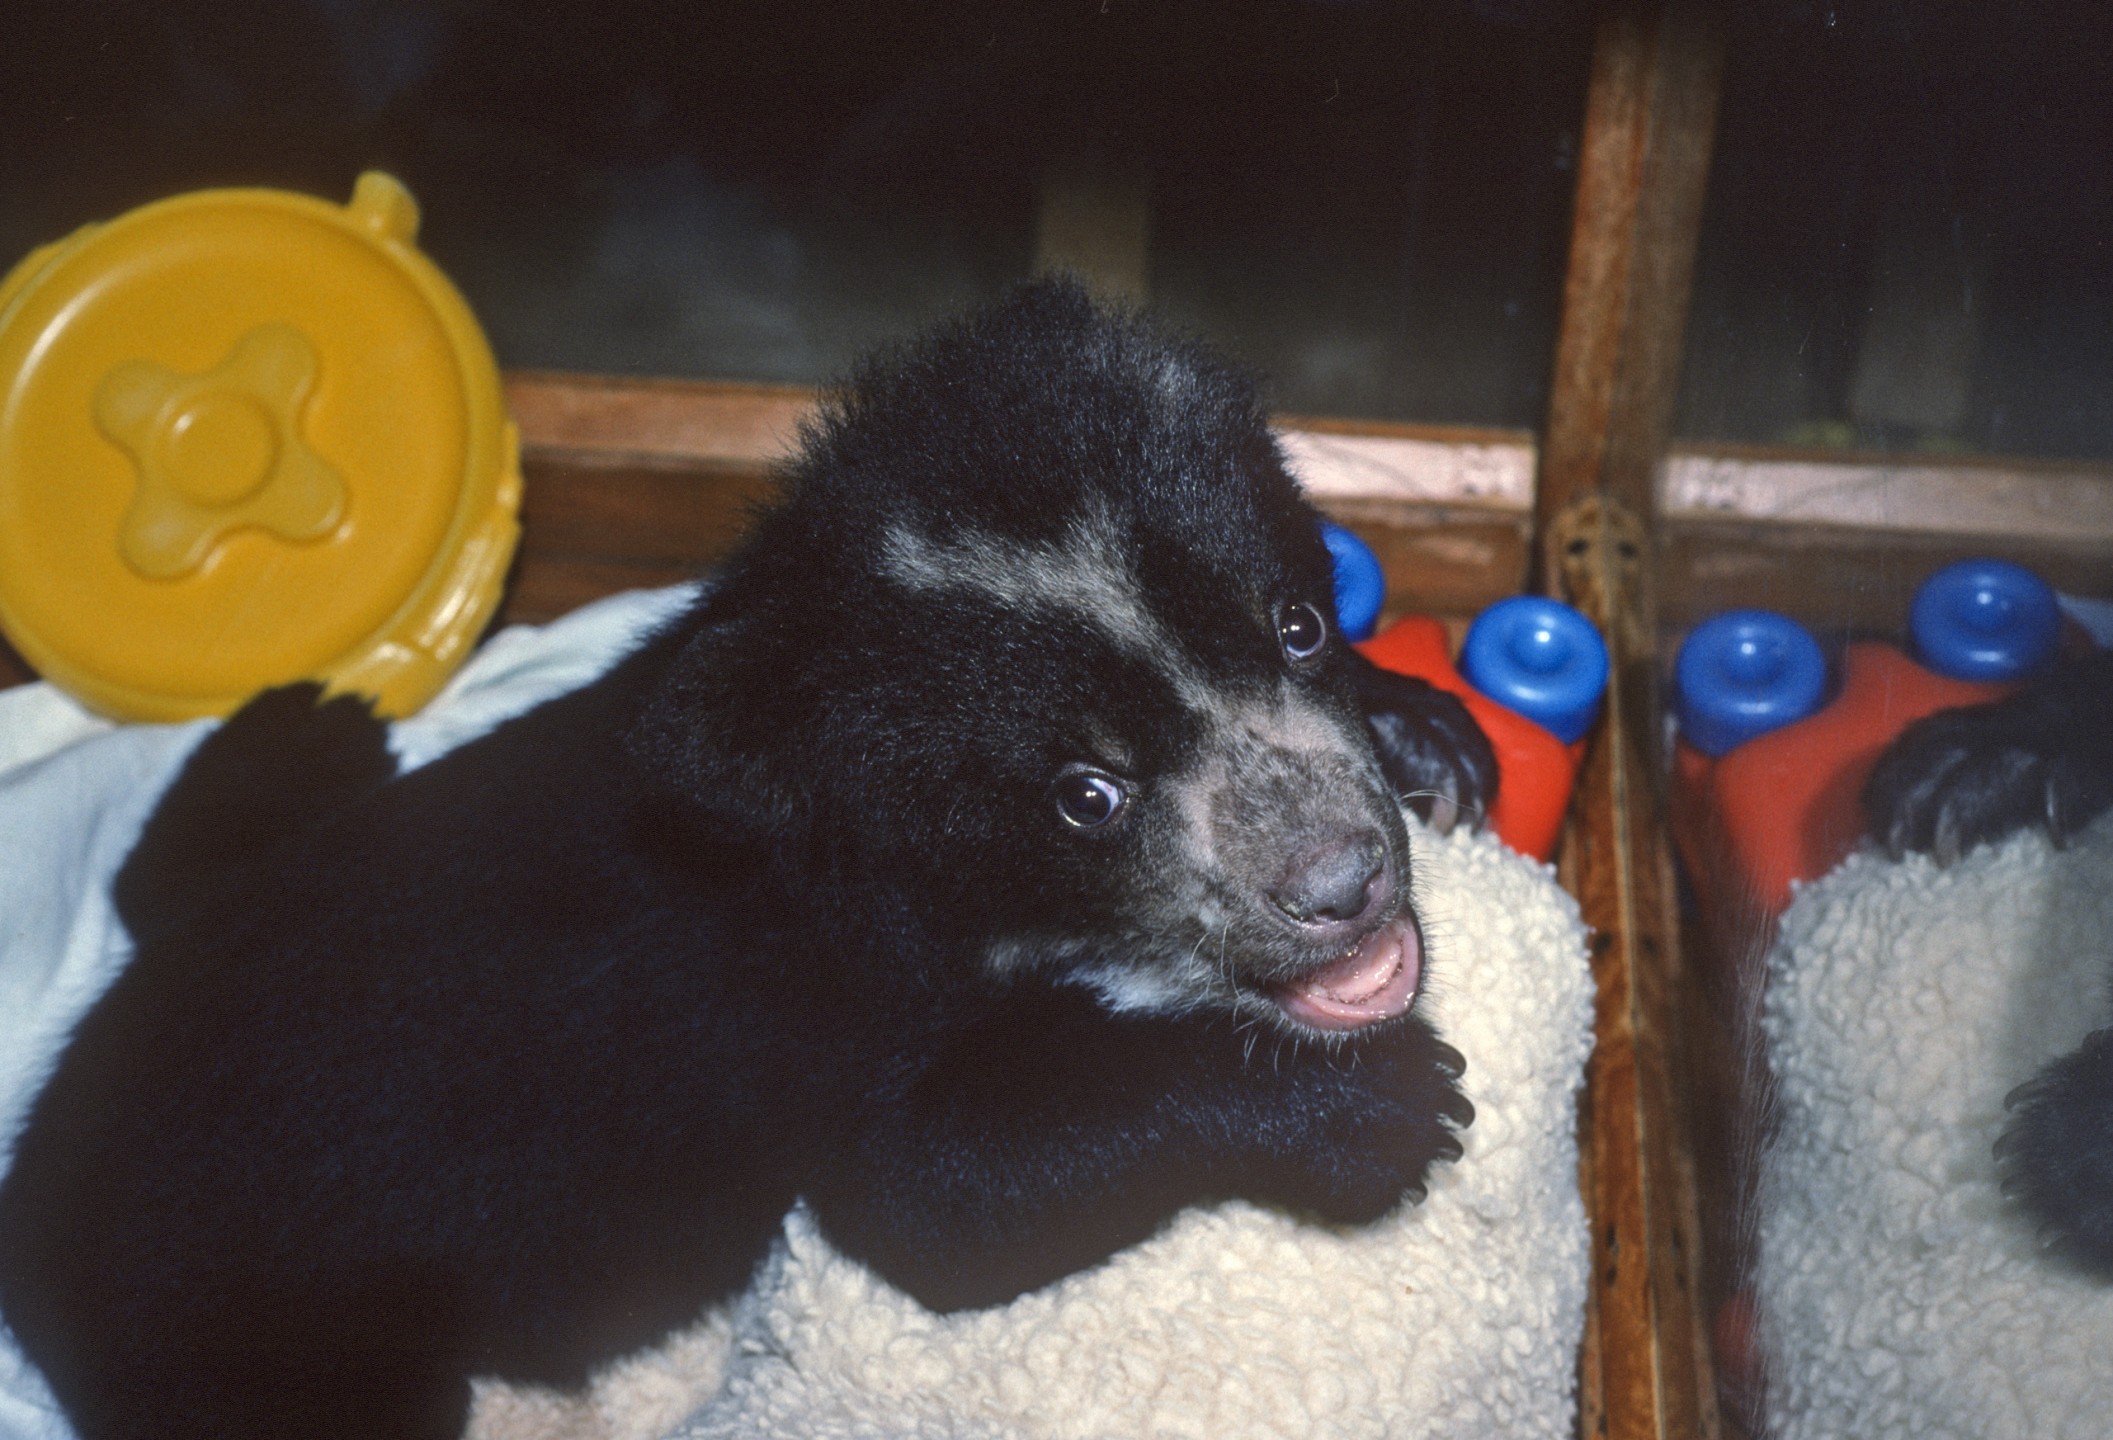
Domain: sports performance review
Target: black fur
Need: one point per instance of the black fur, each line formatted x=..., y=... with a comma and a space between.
x=1961, y=778
x=2056, y=1154
x=516, y=1062
x=2042, y=758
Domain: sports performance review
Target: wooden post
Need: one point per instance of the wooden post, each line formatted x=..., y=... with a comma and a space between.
x=1644, y=164
x=1650, y=118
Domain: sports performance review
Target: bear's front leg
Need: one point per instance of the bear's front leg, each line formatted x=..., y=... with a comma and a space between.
x=1057, y=1133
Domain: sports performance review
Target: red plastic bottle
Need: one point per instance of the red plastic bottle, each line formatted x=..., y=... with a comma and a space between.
x=1786, y=805
x=1549, y=658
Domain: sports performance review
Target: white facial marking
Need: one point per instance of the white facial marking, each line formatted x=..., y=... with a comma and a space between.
x=1087, y=575
x=1169, y=985
x=1126, y=990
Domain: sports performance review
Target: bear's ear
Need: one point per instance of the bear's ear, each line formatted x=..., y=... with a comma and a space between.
x=708, y=738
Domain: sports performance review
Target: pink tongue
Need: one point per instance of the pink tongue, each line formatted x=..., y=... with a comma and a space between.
x=1374, y=982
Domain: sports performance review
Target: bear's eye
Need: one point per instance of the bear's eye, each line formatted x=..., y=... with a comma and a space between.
x=1301, y=631
x=1088, y=799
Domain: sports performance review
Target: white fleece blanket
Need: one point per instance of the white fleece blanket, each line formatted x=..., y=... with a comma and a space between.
x=1459, y=1317
x=1897, y=1294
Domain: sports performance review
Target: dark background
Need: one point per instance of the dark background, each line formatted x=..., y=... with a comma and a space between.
x=1906, y=242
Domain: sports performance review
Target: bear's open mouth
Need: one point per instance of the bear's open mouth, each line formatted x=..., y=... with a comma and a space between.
x=1376, y=981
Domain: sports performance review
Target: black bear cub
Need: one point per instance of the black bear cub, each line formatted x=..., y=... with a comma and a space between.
x=1003, y=852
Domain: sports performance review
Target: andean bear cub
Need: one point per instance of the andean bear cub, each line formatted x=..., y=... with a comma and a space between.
x=1004, y=852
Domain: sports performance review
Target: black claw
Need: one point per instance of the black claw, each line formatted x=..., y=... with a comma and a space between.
x=1451, y=1063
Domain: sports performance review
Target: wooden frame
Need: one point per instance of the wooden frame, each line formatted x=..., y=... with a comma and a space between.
x=1646, y=1369
x=640, y=482
x=1838, y=539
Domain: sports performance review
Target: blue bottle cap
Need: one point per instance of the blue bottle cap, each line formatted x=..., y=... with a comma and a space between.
x=1540, y=658
x=1985, y=620
x=1360, y=585
x=1742, y=674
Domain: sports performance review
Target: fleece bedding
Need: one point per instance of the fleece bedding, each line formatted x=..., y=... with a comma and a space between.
x=1897, y=1294
x=1457, y=1317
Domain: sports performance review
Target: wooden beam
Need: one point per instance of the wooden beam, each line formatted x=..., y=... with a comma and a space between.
x=1645, y=1373
x=678, y=421
x=613, y=419
x=1650, y=120
x=1839, y=581
x=636, y=482
x=1959, y=497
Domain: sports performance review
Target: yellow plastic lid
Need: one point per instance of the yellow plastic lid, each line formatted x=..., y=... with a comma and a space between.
x=248, y=437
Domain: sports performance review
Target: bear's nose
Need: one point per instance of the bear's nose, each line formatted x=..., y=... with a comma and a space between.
x=1332, y=881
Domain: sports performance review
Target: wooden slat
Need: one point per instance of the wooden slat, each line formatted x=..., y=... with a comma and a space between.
x=655, y=478
x=690, y=423
x=1643, y=167
x=1650, y=113
x=1978, y=496
x=591, y=529
x=636, y=512
x=684, y=421
x=1646, y=1370
x=1650, y=1374
x=1841, y=540
x=1440, y=561
x=1838, y=579
x=1343, y=460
